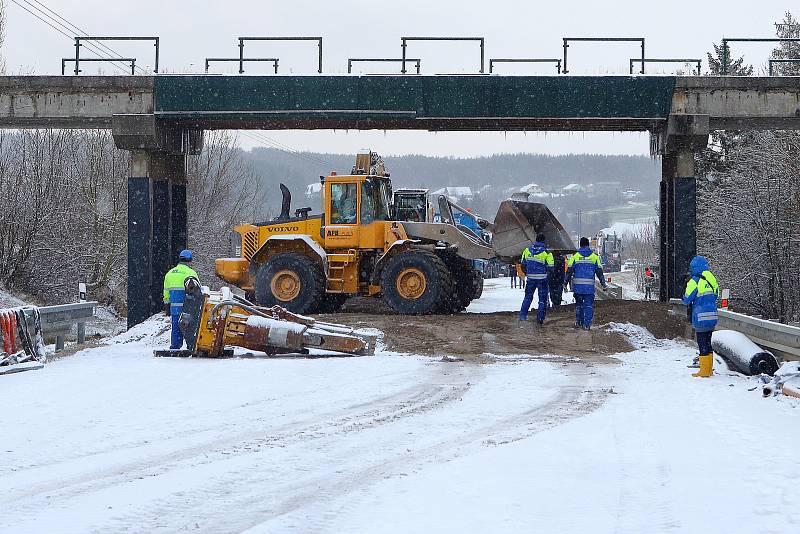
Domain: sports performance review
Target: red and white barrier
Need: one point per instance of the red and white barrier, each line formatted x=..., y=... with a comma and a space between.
x=20, y=347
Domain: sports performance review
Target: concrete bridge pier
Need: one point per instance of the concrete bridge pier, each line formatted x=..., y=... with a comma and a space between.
x=683, y=136
x=157, y=211
x=156, y=227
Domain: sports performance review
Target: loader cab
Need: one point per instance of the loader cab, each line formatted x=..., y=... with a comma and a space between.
x=412, y=205
x=356, y=208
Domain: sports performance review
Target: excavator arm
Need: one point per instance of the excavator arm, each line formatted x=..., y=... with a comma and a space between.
x=213, y=322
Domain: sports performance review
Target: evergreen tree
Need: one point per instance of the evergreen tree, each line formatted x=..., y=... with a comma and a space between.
x=788, y=28
x=736, y=67
x=711, y=160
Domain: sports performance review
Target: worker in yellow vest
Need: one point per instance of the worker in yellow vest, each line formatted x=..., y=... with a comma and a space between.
x=174, y=294
x=538, y=264
x=701, y=296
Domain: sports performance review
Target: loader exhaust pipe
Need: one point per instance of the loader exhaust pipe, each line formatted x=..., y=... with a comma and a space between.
x=286, y=203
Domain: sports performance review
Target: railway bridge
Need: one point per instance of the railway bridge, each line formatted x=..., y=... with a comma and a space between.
x=160, y=120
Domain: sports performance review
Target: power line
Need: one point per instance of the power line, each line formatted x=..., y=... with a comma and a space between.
x=289, y=150
x=95, y=47
x=272, y=143
x=60, y=27
x=77, y=29
x=69, y=24
x=287, y=147
x=59, y=30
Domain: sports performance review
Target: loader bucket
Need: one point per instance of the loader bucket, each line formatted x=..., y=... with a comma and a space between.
x=515, y=227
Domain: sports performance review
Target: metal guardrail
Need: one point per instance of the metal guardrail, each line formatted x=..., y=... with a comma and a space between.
x=783, y=340
x=58, y=320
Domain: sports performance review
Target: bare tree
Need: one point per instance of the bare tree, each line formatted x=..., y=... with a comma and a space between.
x=755, y=250
x=748, y=209
x=63, y=214
x=642, y=245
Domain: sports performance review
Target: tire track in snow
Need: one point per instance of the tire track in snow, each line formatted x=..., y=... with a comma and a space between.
x=645, y=481
x=247, y=414
x=437, y=389
x=265, y=500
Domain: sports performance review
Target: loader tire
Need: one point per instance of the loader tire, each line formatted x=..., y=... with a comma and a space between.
x=417, y=282
x=468, y=282
x=477, y=284
x=291, y=280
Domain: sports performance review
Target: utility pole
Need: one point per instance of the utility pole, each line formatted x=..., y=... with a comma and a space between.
x=579, y=224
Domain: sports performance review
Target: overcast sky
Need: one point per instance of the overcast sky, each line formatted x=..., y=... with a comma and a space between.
x=191, y=30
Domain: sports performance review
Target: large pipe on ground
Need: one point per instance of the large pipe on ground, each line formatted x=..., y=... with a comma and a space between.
x=745, y=355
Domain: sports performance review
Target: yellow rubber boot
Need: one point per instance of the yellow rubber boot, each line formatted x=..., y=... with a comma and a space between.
x=706, y=366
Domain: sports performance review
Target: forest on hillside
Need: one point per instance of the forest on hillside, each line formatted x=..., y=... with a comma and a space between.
x=499, y=172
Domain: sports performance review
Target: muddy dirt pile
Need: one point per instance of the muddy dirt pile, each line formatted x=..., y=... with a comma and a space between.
x=471, y=335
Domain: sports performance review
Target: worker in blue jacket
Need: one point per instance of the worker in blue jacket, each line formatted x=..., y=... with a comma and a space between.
x=582, y=269
x=537, y=262
x=175, y=294
x=701, y=295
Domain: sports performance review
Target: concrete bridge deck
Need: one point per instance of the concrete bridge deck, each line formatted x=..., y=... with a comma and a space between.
x=447, y=102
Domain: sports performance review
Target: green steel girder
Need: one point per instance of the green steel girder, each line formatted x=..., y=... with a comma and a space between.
x=415, y=102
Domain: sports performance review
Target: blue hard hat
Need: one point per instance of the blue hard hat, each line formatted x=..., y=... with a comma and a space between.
x=185, y=255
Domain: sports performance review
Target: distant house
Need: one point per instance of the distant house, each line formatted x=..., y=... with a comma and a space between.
x=313, y=190
x=532, y=189
x=573, y=189
x=630, y=194
x=454, y=192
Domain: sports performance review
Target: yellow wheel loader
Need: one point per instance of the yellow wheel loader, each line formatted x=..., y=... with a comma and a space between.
x=312, y=263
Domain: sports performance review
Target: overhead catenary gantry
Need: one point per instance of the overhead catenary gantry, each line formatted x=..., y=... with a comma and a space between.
x=131, y=60
x=492, y=61
x=726, y=59
x=352, y=60
x=79, y=39
x=635, y=60
x=567, y=40
x=242, y=61
x=562, y=65
x=784, y=61
x=405, y=40
x=243, y=40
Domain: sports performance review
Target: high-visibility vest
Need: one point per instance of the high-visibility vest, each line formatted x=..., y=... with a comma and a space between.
x=585, y=268
x=537, y=264
x=174, y=291
x=701, y=292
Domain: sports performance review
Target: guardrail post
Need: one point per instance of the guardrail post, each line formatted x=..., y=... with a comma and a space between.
x=57, y=321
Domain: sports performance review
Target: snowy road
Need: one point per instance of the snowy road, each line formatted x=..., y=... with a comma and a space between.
x=115, y=440
x=157, y=443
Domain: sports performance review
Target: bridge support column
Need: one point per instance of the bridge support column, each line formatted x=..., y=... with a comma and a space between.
x=139, y=239
x=156, y=205
x=685, y=225
x=178, y=217
x=156, y=227
x=684, y=135
x=678, y=239
x=666, y=227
